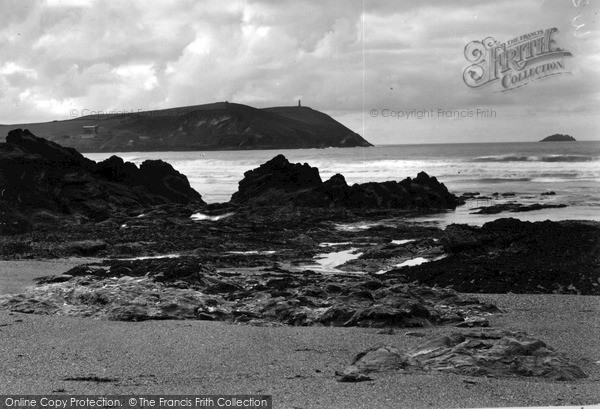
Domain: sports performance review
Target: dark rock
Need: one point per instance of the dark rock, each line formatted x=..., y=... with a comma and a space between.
x=161, y=179
x=202, y=316
x=22, y=303
x=469, y=195
x=23, y=143
x=129, y=313
x=55, y=279
x=558, y=138
x=372, y=285
x=537, y=206
x=278, y=174
x=379, y=358
x=38, y=177
x=85, y=248
x=516, y=207
x=117, y=170
x=550, y=193
x=385, y=257
x=495, y=353
x=358, y=293
x=353, y=377
x=379, y=315
x=337, y=315
x=509, y=255
x=278, y=182
x=222, y=287
x=333, y=288
x=181, y=288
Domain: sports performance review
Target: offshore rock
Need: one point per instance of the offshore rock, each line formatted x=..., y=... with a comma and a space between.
x=557, y=137
x=516, y=207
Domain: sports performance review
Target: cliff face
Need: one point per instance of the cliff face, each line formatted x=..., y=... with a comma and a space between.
x=219, y=126
x=558, y=138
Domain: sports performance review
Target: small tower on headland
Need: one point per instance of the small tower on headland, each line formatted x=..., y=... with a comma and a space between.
x=299, y=103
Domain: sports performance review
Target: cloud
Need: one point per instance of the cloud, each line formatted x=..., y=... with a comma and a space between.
x=340, y=58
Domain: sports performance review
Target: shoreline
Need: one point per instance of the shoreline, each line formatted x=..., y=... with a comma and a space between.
x=17, y=275
x=294, y=364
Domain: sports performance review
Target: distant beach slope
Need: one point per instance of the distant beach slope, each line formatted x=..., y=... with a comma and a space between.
x=217, y=126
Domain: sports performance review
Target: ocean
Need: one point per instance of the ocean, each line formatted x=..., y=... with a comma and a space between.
x=527, y=169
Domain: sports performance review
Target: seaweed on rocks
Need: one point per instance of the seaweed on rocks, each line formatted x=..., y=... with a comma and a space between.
x=509, y=255
x=183, y=288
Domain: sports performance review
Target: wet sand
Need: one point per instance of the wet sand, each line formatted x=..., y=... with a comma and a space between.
x=294, y=364
x=15, y=276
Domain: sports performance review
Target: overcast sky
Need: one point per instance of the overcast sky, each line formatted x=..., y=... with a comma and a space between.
x=344, y=58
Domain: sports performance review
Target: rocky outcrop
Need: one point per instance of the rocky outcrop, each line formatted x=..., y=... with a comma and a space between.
x=509, y=255
x=40, y=179
x=275, y=179
x=183, y=288
x=385, y=257
x=159, y=178
x=490, y=353
x=279, y=182
x=558, y=138
x=21, y=144
x=516, y=207
x=41, y=176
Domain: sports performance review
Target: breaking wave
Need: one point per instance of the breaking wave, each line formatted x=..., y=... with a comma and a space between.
x=547, y=158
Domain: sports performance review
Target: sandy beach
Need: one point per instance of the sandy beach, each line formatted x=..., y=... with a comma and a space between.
x=15, y=276
x=294, y=364
x=368, y=204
